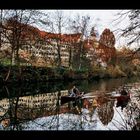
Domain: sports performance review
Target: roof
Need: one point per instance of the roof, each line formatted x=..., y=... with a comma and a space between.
x=32, y=32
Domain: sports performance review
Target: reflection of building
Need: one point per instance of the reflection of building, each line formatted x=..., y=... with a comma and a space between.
x=106, y=112
x=4, y=105
x=32, y=106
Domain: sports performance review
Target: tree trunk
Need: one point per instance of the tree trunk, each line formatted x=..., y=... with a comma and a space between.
x=8, y=74
x=80, y=55
x=59, y=54
x=70, y=57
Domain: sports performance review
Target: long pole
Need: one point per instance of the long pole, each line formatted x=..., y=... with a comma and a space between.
x=1, y=28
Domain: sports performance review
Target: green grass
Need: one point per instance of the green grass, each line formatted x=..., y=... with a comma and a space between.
x=5, y=61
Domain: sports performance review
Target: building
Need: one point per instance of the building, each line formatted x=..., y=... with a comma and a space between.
x=40, y=48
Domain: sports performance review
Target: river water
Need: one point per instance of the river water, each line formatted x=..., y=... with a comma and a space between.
x=38, y=106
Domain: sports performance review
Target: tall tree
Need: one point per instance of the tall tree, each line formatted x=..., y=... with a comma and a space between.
x=107, y=45
x=132, y=30
x=80, y=25
x=1, y=11
x=107, y=38
x=57, y=22
x=17, y=31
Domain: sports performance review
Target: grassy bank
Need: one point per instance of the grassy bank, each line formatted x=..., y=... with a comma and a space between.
x=35, y=74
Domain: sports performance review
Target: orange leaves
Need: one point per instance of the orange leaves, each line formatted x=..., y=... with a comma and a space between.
x=70, y=38
x=107, y=38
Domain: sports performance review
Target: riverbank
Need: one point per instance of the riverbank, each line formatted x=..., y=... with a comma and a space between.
x=42, y=74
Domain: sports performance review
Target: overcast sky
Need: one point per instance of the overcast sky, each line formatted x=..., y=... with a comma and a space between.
x=102, y=19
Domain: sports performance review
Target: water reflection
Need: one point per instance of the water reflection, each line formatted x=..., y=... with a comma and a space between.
x=38, y=107
x=106, y=112
x=21, y=109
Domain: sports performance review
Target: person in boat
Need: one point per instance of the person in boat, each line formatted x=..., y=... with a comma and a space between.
x=74, y=92
x=93, y=108
x=95, y=103
x=123, y=92
x=86, y=103
x=123, y=100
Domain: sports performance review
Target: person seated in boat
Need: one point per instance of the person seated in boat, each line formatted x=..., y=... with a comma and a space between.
x=123, y=92
x=95, y=103
x=122, y=102
x=74, y=92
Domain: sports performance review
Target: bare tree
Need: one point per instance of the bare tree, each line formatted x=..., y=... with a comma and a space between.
x=80, y=25
x=131, y=30
x=57, y=22
x=16, y=28
x=17, y=31
x=0, y=27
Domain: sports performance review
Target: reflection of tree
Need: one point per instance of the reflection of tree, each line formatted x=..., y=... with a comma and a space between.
x=106, y=112
x=24, y=115
x=23, y=109
x=47, y=113
x=10, y=119
x=133, y=114
x=65, y=117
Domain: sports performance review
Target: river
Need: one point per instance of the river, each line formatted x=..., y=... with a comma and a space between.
x=37, y=106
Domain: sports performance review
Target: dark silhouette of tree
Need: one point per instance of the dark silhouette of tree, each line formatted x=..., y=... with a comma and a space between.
x=131, y=31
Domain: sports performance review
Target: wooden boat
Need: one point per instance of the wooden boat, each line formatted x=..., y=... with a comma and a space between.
x=123, y=97
x=65, y=99
x=122, y=101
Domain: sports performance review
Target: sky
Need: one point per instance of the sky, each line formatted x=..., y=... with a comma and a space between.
x=101, y=19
